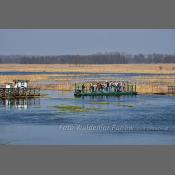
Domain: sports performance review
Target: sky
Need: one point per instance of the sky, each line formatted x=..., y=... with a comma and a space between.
x=86, y=41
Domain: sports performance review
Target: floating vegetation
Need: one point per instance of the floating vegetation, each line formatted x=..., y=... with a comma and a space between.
x=70, y=108
x=130, y=106
x=65, y=108
x=101, y=103
x=125, y=105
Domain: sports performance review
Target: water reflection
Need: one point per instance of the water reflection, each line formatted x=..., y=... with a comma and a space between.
x=20, y=103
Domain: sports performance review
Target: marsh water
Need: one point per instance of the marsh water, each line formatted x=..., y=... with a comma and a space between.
x=141, y=119
x=60, y=118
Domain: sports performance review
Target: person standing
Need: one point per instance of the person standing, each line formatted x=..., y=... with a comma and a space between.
x=83, y=87
x=107, y=86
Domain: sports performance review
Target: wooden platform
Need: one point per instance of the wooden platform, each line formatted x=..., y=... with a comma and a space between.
x=19, y=93
x=79, y=94
x=92, y=89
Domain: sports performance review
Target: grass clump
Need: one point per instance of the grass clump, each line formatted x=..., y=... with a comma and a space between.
x=125, y=105
x=70, y=108
x=130, y=106
x=101, y=103
x=66, y=108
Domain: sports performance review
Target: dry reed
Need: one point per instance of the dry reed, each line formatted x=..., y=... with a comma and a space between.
x=111, y=68
x=65, y=82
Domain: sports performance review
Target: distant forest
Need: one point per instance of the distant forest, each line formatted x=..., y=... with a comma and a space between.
x=106, y=58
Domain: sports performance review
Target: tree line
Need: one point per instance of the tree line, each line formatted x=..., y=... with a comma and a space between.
x=106, y=58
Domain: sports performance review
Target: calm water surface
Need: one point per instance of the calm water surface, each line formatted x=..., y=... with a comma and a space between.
x=103, y=120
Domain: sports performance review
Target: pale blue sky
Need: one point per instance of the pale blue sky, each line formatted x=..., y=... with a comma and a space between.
x=86, y=41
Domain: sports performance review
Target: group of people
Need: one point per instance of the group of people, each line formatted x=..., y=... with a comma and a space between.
x=112, y=86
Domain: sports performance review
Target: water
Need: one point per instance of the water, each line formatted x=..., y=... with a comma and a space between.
x=141, y=119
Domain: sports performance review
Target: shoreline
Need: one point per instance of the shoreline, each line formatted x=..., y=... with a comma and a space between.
x=64, y=76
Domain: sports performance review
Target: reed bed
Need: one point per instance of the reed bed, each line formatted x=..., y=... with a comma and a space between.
x=151, y=89
x=66, y=82
x=60, y=87
x=145, y=85
x=105, y=68
x=155, y=84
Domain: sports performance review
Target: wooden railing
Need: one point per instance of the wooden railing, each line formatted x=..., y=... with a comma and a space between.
x=171, y=89
x=126, y=87
x=19, y=92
